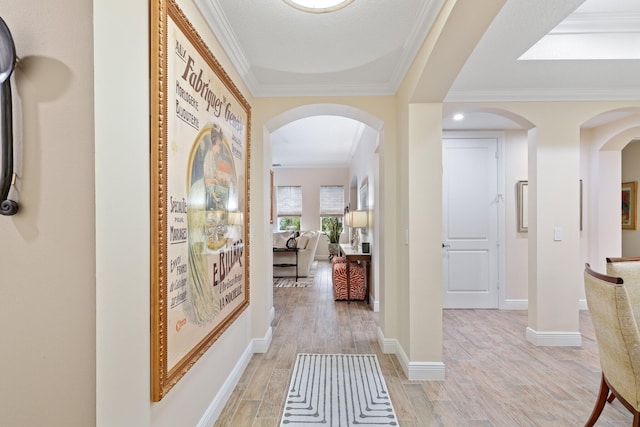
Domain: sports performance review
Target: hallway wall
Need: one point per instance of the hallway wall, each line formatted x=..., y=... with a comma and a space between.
x=631, y=173
x=123, y=236
x=47, y=254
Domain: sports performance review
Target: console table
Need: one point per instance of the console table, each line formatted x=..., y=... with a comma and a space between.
x=294, y=250
x=355, y=255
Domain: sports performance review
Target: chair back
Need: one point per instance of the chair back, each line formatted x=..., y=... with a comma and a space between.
x=628, y=268
x=616, y=333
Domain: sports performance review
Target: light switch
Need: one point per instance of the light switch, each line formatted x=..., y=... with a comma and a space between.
x=557, y=234
x=406, y=236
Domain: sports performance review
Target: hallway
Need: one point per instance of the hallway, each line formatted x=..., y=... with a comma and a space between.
x=494, y=377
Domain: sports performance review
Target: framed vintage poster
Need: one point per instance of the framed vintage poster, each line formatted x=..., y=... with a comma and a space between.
x=630, y=205
x=199, y=198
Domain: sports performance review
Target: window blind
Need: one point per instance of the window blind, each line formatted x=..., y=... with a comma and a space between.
x=289, y=201
x=331, y=200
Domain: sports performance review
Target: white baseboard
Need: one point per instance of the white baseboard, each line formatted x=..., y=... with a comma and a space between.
x=387, y=346
x=415, y=371
x=515, y=304
x=217, y=404
x=554, y=339
x=261, y=345
x=375, y=304
x=523, y=304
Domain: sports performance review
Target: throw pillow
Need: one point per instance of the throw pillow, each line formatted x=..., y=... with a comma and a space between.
x=302, y=241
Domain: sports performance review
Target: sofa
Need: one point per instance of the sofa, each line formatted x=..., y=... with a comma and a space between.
x=306, y=242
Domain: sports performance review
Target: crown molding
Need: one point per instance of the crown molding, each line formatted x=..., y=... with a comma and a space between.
x=587, y=23
x=544, y=94
x=221, y=28
x=214, y=15
x=426, y=17
x=324, y=89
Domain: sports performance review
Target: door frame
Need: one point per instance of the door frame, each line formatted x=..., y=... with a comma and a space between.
x=501, y=227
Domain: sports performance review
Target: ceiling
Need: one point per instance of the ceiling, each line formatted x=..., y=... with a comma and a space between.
x=367, y=47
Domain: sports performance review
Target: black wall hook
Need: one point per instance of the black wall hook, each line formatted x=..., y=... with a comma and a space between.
x=7, y=64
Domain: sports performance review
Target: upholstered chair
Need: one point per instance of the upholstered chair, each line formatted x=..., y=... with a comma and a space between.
x=618, y=342
x=628, y=268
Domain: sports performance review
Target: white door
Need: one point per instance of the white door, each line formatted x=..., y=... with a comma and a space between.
x=470, y=223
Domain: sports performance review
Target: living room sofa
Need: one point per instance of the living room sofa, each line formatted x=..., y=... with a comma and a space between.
x=306, y=242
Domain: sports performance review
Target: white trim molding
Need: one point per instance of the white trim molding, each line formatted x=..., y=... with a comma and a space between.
x=261, y=345
x=388, y=346
x=217, y=404
x=415, y=371
x=257, y=345
x=554, y=339
x=515, y=304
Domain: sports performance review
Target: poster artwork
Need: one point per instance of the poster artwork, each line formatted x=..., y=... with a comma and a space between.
x=205, y=274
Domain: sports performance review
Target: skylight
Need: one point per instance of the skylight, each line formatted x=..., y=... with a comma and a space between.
x=599, y=29
x=319, y=6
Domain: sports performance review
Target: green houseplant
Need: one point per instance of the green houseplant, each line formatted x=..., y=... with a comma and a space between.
x=334, y=229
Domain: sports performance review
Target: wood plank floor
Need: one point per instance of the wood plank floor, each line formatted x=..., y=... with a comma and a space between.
x=493, y=376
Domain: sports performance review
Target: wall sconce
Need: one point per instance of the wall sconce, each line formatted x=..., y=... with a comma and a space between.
x=7, y=64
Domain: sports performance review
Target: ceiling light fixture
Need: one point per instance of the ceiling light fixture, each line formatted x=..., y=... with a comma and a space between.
x=319, y=6
x=458, y=117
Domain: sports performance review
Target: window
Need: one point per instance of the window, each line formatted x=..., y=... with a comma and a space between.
x=331, y=204
x=289, y=202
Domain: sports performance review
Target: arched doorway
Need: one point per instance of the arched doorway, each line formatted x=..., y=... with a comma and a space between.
x=370, y=170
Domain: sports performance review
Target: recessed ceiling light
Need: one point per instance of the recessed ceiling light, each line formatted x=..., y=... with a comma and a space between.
x=458, y=117
x=319, y=6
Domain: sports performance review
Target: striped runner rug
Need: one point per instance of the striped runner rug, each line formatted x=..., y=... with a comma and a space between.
x=338, y=390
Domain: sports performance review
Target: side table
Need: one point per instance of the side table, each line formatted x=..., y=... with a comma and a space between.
x=287, y=264
x=354, y=255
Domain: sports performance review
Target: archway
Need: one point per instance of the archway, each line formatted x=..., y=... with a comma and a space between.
x=604, y=138
x=370, y=172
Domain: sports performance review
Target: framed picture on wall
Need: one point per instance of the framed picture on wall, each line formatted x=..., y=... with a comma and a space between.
x=522, y=190
x=630, y=205
x=364, y=201
x=199, y=198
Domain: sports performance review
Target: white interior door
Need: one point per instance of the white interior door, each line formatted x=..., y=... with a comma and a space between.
x=470, y=223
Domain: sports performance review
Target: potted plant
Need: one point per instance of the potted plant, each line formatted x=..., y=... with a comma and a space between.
x=334, y=229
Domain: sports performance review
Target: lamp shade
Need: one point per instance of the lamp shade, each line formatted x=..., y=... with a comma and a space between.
x=359, y=219
x=347, y=219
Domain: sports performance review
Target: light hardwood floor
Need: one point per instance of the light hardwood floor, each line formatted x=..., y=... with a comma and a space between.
x=493, y=376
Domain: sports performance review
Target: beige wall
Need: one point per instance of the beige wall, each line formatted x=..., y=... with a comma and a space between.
x=47, y=250
x=631, y=173
x=516, y=243
x=75, y=260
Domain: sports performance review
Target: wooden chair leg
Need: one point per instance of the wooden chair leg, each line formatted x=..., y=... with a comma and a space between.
x=602, y=400
x=611, y=398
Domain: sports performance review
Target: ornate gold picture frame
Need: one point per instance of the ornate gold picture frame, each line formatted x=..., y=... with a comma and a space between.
x=200, y=166
x=629, y=217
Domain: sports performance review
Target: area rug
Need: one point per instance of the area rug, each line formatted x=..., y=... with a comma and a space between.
x=302, y=282
x=338, y=390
